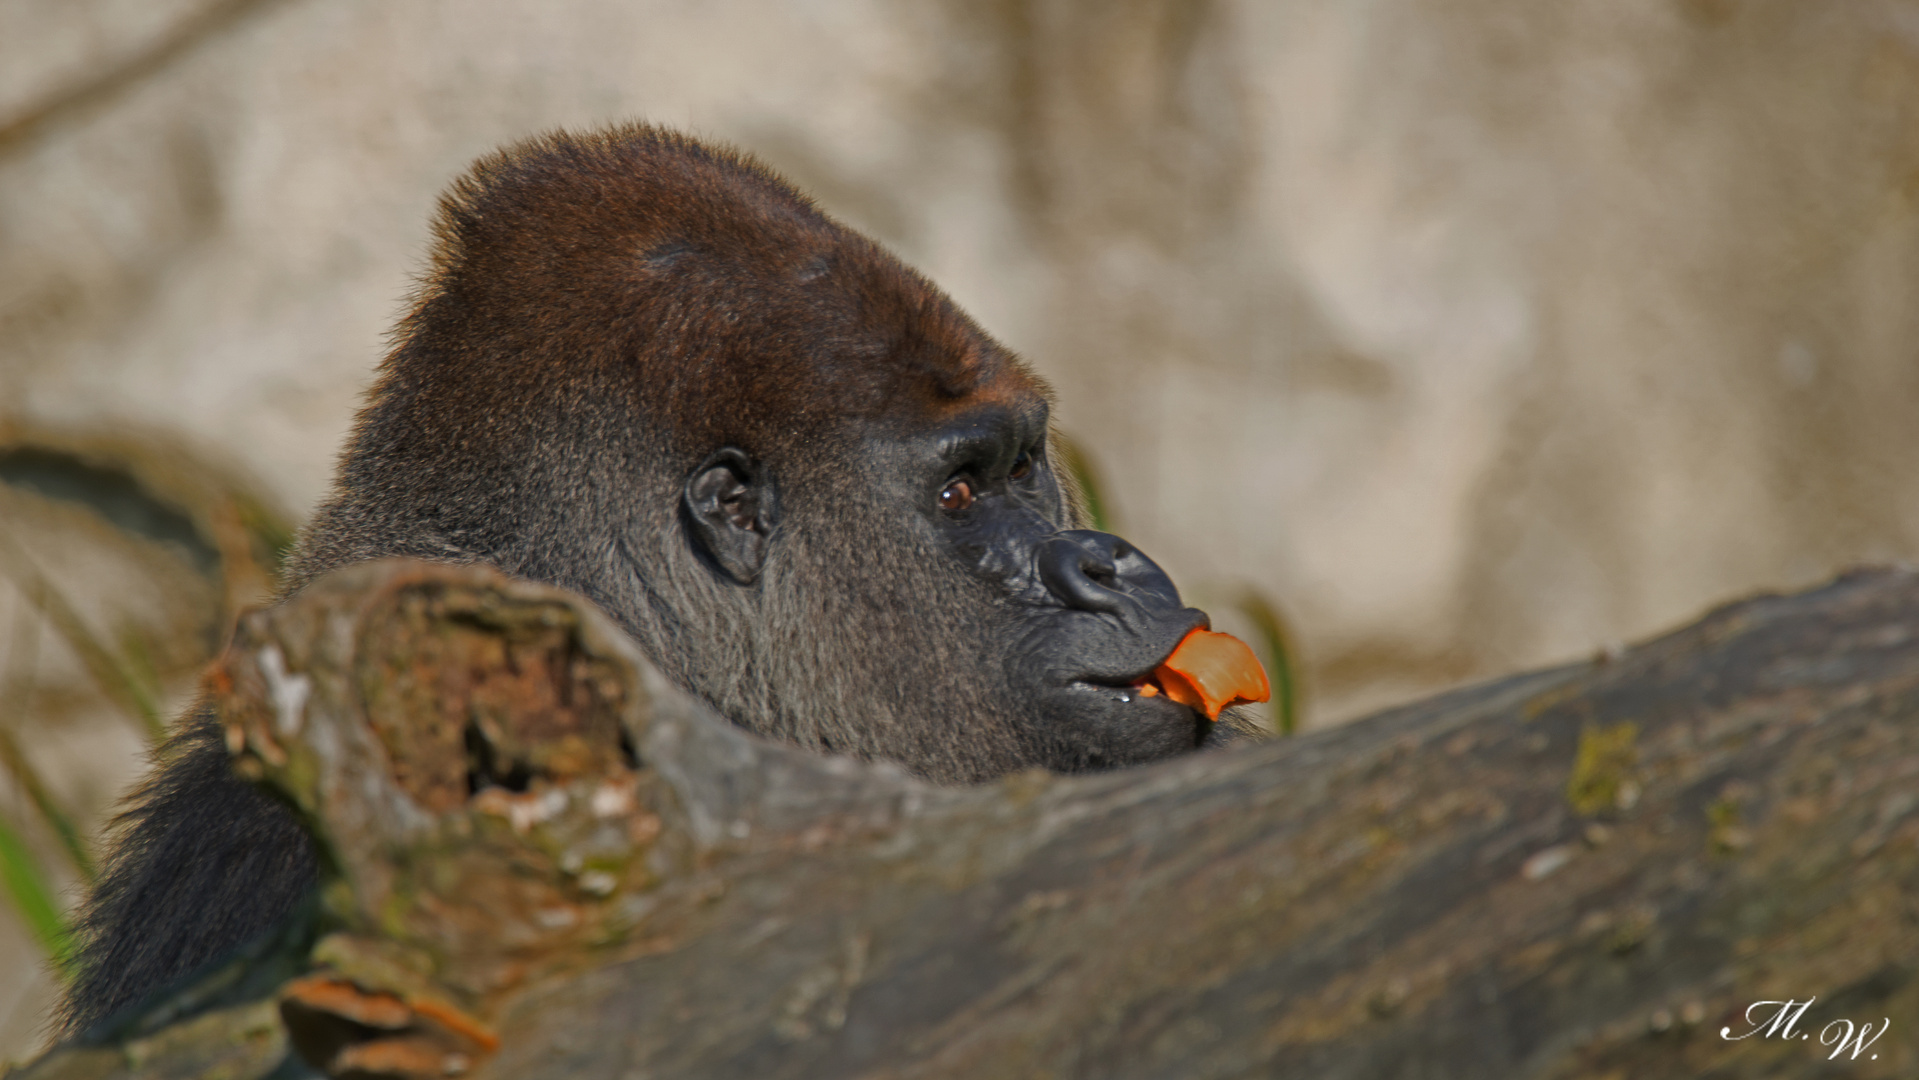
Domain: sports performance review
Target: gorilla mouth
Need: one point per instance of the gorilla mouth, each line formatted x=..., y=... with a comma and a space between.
x=1208, y=672
x=1148, y=686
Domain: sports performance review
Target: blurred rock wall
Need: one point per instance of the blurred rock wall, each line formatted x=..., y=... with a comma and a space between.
x=1475, y=334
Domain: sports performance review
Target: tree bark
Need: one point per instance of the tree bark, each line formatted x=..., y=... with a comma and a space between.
x=550, y=863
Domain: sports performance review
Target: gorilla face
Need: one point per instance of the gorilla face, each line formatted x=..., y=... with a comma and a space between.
x=1091, y=615
x=1044, y=642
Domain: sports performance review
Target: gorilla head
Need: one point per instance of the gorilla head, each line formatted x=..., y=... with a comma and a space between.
x=818, y=495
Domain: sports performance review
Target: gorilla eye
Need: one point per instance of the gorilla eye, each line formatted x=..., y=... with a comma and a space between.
x=1022, y=466
x=958, y=495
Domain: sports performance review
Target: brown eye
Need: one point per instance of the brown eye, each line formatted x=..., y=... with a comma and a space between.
x=1022, y=467
x=958, y=495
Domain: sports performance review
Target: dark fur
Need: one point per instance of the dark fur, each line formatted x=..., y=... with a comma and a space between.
x=205, y=862
x=602, y=312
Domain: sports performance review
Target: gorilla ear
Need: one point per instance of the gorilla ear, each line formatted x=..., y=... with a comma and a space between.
x=730, y=512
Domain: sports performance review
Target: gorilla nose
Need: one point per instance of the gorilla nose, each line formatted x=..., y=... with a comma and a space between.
x=1096, y=571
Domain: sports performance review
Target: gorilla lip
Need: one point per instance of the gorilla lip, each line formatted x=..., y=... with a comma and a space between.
x=1209, y=672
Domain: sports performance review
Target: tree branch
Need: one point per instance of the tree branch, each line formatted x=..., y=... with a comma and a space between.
x=550, y=863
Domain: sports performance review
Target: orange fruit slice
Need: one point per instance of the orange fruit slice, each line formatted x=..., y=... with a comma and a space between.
x=1211, y=672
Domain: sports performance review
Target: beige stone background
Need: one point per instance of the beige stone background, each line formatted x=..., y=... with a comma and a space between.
x=1477, y=334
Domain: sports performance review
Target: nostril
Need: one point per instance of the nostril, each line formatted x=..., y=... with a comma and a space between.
x=1079, y=574
x=1092, y=571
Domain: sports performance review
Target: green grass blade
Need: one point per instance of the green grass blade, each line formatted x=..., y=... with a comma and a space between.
x=1082, y=478
x=118, y=678
x=33, y=896
x=17, y=693
x=1282, y=665
x=272, y=538
x=50, y=810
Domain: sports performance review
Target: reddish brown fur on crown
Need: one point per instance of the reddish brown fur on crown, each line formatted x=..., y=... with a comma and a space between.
x=727, y=286
x=603, y=311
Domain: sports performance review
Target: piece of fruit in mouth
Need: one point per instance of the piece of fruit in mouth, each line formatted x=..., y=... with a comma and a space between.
x=1209, y=672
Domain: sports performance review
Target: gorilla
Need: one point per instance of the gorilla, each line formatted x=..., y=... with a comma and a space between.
x=820, y=498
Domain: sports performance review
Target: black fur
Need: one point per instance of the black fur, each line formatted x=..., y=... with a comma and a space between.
x=206, y=862
x=649, y=371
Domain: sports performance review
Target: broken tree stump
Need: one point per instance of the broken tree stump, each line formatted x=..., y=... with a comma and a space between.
x=548, y=862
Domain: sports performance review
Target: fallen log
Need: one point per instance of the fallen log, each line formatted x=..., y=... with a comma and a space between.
x=547, y=862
